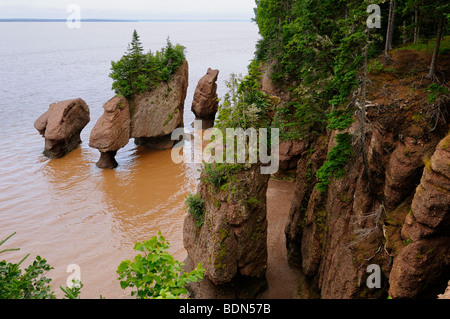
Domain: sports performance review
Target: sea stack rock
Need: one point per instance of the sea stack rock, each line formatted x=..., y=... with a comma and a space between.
x=157, y=113
x=231, y=244
x=111, y=132
x=206, y=102
x=61, y=126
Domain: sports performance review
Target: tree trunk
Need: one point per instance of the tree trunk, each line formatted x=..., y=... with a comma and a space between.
x=390, y=30
x=416, y=25
x=404, y=33
x=432, y=74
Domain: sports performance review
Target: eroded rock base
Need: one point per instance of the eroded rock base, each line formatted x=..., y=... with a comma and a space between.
x=239, y=288
x=58, y=149
x=107, y=160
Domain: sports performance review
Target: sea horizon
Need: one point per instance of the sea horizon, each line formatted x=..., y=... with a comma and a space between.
x=123, y=20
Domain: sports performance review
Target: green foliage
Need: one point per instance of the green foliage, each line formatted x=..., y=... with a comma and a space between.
x=406, y=242
x=217, y=174
x=244, y=105
x=375, y=66
x=340, y=119
x=135, y=47
x=298, y=120
x=253, y=202
x=137, y=72
x=73, y=292
x=169, y=60
x=213, y=175
x=317, y=47
x=336, y=161
x=30, y=283
x=427, y=45
x=155, y=273
x=435, y=90
x=196, y=206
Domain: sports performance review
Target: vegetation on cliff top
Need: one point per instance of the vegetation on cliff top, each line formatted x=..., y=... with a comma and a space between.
x=137, y=72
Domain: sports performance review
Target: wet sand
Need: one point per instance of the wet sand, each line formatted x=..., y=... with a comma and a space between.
x=281, y=277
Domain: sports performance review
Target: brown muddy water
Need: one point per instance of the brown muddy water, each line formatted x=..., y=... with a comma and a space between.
x=73, y=213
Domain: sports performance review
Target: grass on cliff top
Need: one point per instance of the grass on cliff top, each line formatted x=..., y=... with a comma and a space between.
x=427, y=45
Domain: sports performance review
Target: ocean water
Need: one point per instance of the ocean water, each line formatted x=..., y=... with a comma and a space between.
x=67, y=210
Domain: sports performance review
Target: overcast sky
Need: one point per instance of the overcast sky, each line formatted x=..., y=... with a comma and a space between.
x=130, y=9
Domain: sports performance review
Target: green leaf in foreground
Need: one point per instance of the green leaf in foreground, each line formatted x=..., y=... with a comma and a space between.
x=155, y=273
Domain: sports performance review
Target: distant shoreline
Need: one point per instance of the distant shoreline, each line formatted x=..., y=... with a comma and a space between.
x=122, y=20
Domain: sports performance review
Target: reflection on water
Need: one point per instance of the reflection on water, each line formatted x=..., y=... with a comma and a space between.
x=148, y=191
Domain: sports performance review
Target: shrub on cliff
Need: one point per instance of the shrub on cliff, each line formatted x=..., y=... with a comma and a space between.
x=195, y=206
x=137, y=71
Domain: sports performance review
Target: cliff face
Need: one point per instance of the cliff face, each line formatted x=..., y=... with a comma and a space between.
x=156, y=114
x=427, y=258
x=232, y=242
x=397, y=219
x=335, y=236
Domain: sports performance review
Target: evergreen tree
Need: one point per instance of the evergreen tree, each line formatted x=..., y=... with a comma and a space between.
x=135, y=47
